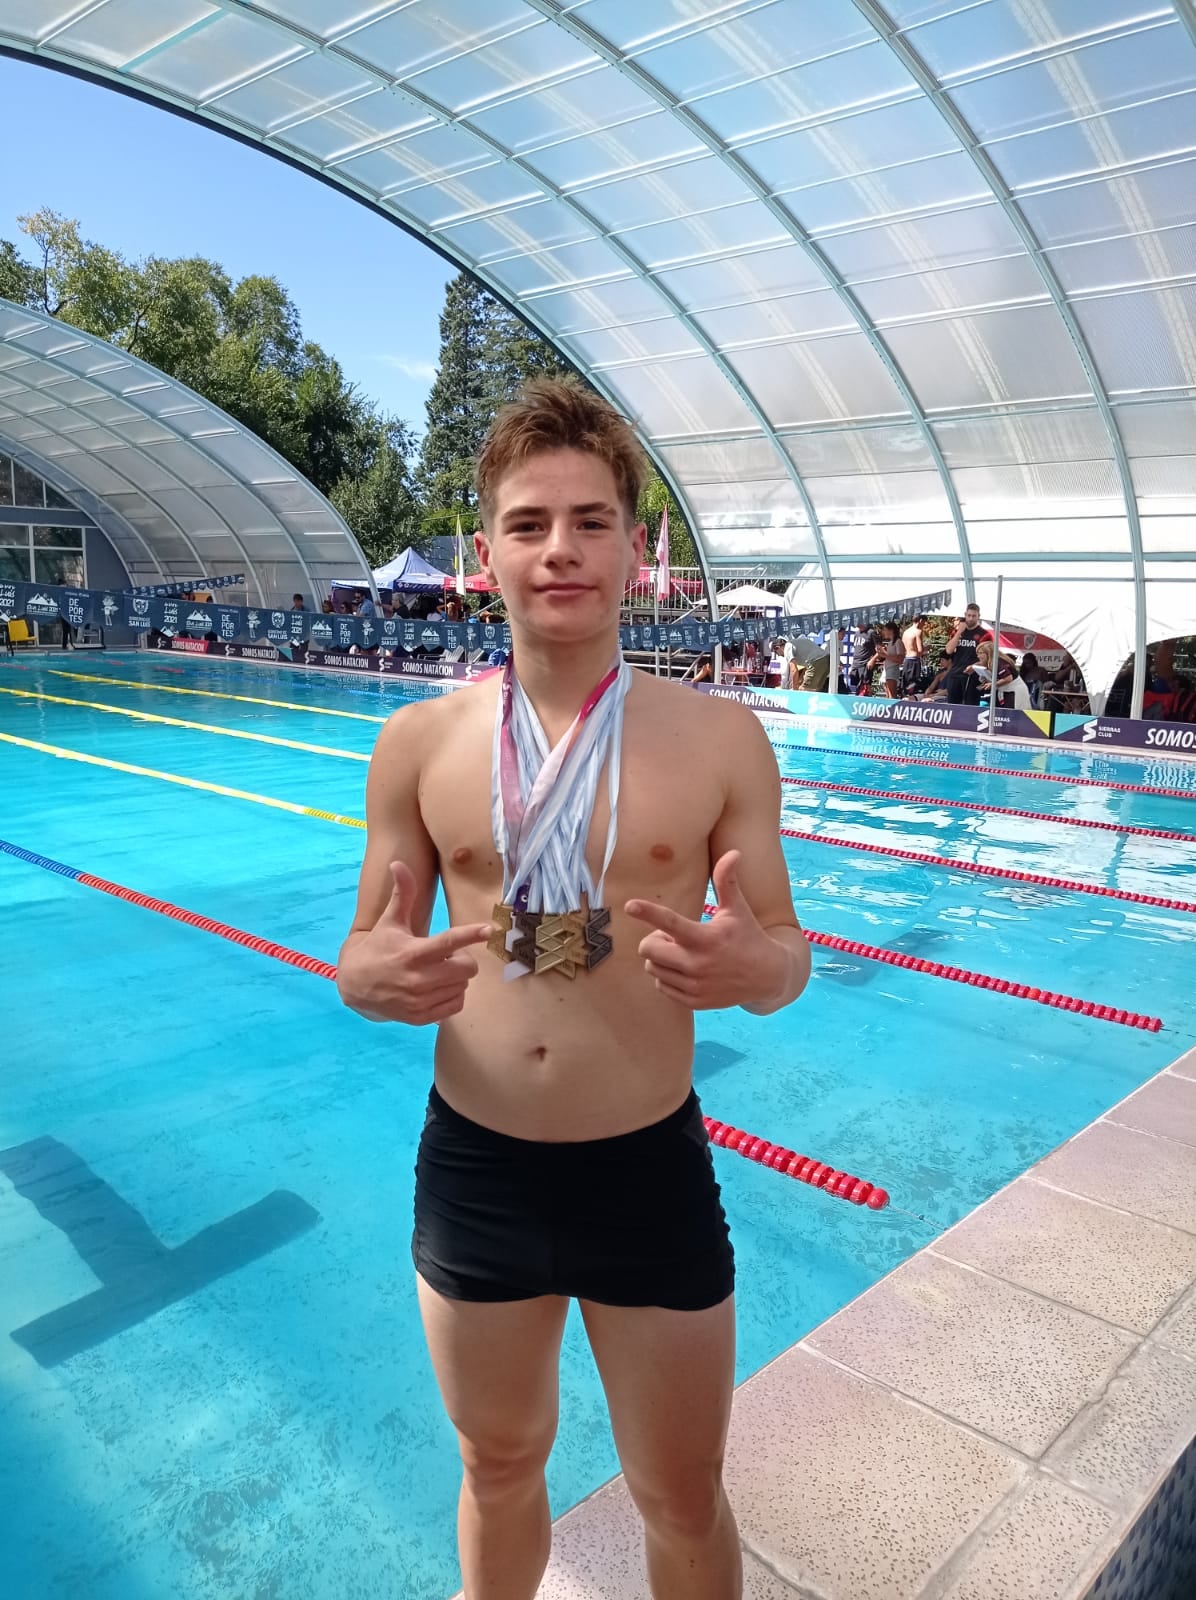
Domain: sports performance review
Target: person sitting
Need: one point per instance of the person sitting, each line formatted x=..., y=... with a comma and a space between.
x=982, y=670
x=1034, y=676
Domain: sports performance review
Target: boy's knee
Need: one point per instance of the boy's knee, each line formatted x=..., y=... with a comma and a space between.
x=497, y=1467
x=686, y=1504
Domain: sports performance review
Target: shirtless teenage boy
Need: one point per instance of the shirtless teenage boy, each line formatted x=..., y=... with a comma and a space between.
x=563, y=1154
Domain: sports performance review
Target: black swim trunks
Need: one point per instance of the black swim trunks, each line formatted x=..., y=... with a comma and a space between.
x=633, y=1220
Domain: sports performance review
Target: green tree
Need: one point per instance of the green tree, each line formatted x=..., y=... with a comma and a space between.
x=376, y=497
x=653, y=500
x=18, y=280
x=460, y=404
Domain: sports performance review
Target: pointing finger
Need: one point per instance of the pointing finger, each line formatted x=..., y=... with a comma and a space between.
x=443, y=945
x=683, y=929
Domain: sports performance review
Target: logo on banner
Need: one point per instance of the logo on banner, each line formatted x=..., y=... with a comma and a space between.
x=228, y=624
x=8, y=599
x=1171, y=738
x=278, y=619
x=430, y=638
x=367, y=631
x=321, y=630
x=75, y=612
x=40, y=605
x=982, y=720
x=141, y=608
x=1090, y=732
x=253, y=621
x=200, y=620
x=111, y=608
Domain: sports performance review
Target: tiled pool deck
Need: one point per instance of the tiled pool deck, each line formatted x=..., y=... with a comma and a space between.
x=990, y=1420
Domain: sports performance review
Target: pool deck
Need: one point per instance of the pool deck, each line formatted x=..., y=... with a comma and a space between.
x=988, y=1421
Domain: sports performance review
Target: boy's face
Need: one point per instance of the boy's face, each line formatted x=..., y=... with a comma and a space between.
x=560, y=546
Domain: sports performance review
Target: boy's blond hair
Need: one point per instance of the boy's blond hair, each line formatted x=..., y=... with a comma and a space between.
x=560, y=414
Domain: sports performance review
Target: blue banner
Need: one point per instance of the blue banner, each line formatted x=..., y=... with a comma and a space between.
x=190, y=585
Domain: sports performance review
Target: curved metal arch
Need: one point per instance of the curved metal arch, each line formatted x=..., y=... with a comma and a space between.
x=446, y=117
x=85, y=499
x=651, y=86
x=1186, y=12
x=988, y=171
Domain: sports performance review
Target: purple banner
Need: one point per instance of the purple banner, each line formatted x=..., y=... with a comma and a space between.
x=1176, y=737
x=430, y=671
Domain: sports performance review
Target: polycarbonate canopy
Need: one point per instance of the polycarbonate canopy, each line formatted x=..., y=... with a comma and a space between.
x=179, y=487
x=907, y=285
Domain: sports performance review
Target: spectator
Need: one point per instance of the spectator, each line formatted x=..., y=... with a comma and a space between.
x=913, y=669
x=297, y=603
x=982, y=670
x=1034, y=676
x=862, y=652
x=776, y=667
x=703, y=670
x=366, y=607
x=963, y=687
x=1066, y=692
x=889, y=656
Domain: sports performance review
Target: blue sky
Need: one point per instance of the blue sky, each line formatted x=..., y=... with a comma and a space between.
x=145, y=182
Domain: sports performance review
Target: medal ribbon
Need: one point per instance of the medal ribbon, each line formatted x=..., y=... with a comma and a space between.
x=542, y=798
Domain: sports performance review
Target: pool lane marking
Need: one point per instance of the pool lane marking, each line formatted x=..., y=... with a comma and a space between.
x=1071, y=885
x=978, y=980
x=894, y=958
x=324, y=969
x=998, y=772
x=818, y=1174
x=912, y=798
x=222, y=930
x=217, y=694
x=196, y=727
x=1068, y=885
x=187, y=783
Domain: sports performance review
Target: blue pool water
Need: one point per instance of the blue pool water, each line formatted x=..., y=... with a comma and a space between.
x=274, y=1431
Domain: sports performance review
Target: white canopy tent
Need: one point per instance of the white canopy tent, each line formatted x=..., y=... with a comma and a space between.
x=750, y=597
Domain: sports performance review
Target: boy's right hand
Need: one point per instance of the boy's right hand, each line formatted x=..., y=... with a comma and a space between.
x=393, y=974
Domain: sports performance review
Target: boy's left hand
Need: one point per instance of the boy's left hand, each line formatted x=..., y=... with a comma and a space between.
x=708, y=966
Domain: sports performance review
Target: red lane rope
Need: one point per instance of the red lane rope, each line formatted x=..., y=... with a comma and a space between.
x=843, y=1185
x=222, y=930
x=980, y=980
x=1001, y=772
x=1072, y=885
x=819, y=1174
x=980, y=805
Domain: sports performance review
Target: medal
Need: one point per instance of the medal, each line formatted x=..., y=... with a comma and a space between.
x=551, y=918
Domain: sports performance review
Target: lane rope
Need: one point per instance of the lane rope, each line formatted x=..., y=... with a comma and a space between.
x=980, y=869
x=979, y=980
x=196, y=727
x=912, y=798
x=187, y=783
x=997, y=772
x=1064, y=884
x=818, y=1174
x=214, y=694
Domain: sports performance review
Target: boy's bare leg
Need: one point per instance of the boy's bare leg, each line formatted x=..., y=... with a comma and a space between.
x=668, y=1377
x=497, y=1367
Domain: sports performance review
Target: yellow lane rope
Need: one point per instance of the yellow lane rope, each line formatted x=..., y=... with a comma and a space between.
x=187, y=783
x=198, y=727
x=216, y=694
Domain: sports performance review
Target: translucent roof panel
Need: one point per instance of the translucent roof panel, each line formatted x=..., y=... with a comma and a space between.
x=932, y=262
x=180, y=488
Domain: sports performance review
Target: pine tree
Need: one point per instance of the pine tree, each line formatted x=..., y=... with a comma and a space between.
x=459, y=406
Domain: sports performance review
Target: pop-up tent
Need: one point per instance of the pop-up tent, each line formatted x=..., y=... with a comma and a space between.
x=409, y=572
x=751, y=597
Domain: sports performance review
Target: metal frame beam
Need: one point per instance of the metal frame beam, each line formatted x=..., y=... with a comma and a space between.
x=913, y=63
x=684, y=114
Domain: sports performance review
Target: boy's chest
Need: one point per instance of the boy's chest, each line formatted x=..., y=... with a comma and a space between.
x=668, y=806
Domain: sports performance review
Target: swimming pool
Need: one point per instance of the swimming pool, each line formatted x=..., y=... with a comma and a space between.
x=274, y=1429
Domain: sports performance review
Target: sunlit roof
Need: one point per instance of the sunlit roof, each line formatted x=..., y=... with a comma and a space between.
x=911, y=284
x=179, y=487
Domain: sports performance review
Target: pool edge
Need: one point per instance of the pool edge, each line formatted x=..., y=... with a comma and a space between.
x=959, y=1431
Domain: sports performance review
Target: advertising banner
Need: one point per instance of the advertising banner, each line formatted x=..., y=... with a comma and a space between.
x=1094, y=732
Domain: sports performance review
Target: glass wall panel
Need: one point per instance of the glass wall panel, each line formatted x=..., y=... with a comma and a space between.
x=28, y=489
x=1143, y=341
x=1008, y=355
x=1155, y=197
x=893, y=539
x=671, y=399
x=819, y=380
x=1122, y=263
x=728, y=544
x=891, y=449
x=912, y=130
x=1065, y=435
x=59, y=538
x=14, y=563
x=1072, y=150
x=1034, y=534
x=6, y=498
x=58, y=566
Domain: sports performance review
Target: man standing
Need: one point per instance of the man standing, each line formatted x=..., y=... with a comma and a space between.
x=913, y=668
x=963, y=687
x=563, y=1154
